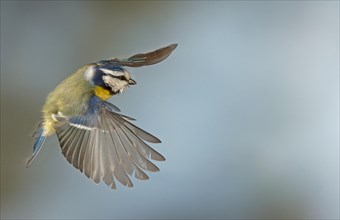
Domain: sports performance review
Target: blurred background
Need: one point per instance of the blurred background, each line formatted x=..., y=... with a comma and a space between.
x=247, y=107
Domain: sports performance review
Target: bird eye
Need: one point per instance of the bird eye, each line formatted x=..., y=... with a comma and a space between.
x=122, y=78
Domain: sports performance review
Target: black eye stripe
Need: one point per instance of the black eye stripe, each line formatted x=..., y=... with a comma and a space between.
x=122, y=77
x=104, y=73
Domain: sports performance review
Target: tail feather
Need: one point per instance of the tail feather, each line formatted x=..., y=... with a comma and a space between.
x=39, y=142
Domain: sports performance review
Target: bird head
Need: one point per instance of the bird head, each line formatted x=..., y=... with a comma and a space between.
x=108, y=76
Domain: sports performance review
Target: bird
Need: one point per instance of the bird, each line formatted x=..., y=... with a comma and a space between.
x=93, y=135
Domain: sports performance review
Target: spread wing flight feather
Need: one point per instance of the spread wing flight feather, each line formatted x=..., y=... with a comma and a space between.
x=142, y=59
x=104, y=145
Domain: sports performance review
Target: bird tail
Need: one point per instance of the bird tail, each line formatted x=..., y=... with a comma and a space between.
x=39, y=142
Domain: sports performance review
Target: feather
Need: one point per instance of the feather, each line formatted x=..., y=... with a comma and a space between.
x=39, y=142
x=105, y=146
x=142, y=59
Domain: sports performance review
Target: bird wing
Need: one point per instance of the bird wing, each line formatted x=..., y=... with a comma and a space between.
x=106, y=146
x=143, y=59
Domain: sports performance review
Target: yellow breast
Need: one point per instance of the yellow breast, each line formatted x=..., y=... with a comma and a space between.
x=102, y=93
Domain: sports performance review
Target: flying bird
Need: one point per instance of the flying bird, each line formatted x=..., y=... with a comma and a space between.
x=94, y=137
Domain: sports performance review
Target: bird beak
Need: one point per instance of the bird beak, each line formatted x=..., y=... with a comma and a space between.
x=132, y=82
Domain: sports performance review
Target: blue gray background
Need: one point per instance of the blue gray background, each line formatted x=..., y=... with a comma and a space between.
x=247, y=107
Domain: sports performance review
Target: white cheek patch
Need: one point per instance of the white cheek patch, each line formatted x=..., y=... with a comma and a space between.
x=115, y=84
x=108, y=80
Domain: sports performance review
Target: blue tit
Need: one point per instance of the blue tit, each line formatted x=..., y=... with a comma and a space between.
x=96, y=139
